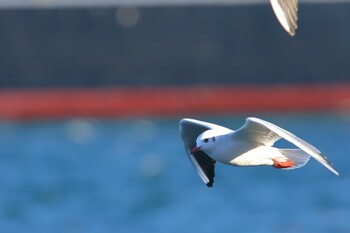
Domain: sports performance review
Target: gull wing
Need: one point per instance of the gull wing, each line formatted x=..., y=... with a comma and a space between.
x=286, y=13
x=190, y=129
x=260, y=131
x=253, y=131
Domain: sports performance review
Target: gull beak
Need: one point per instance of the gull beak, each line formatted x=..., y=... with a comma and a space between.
x=195, y=149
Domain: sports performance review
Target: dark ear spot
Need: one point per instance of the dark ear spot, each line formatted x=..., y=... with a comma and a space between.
x=214, y=139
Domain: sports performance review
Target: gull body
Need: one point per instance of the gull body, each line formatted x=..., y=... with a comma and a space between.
x=251, y=145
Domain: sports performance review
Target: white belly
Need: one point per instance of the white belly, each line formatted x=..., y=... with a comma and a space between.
x=256, y=157
x=241, y=153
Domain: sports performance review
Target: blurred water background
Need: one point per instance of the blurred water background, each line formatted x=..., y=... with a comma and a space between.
x=132, y=175
x=79, y=174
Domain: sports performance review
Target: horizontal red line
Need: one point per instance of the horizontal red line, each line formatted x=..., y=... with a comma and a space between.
x=155, y=101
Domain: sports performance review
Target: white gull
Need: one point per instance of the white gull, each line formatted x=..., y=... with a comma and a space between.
x=251, y=145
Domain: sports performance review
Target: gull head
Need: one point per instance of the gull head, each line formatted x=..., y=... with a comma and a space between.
x=207, y=141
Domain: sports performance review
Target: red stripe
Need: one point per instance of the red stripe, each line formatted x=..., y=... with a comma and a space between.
x=155, y=101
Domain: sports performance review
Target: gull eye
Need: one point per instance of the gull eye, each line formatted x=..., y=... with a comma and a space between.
x=206, y=140
x=213, y=139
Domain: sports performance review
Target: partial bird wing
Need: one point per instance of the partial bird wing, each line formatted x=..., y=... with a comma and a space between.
x=256, y=132
x=261, y=131
x=190, y=129
x=286, y=12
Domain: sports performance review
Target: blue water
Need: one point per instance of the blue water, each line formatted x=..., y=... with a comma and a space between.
x=86, y=175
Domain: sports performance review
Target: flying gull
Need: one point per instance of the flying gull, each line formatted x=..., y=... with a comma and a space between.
x=251, y=145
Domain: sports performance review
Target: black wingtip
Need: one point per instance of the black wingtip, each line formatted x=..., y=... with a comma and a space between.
x=210, y=184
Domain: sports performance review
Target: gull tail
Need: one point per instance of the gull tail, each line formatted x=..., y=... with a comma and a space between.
x=297, y=156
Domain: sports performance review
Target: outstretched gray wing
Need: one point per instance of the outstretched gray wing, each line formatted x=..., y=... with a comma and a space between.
x=286, y=12
x=190, y=129
x=266, y=133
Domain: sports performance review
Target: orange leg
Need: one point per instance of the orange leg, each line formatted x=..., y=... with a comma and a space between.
x=285, y=163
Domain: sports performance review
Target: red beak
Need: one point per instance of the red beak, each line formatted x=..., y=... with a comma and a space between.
x=195, y=149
